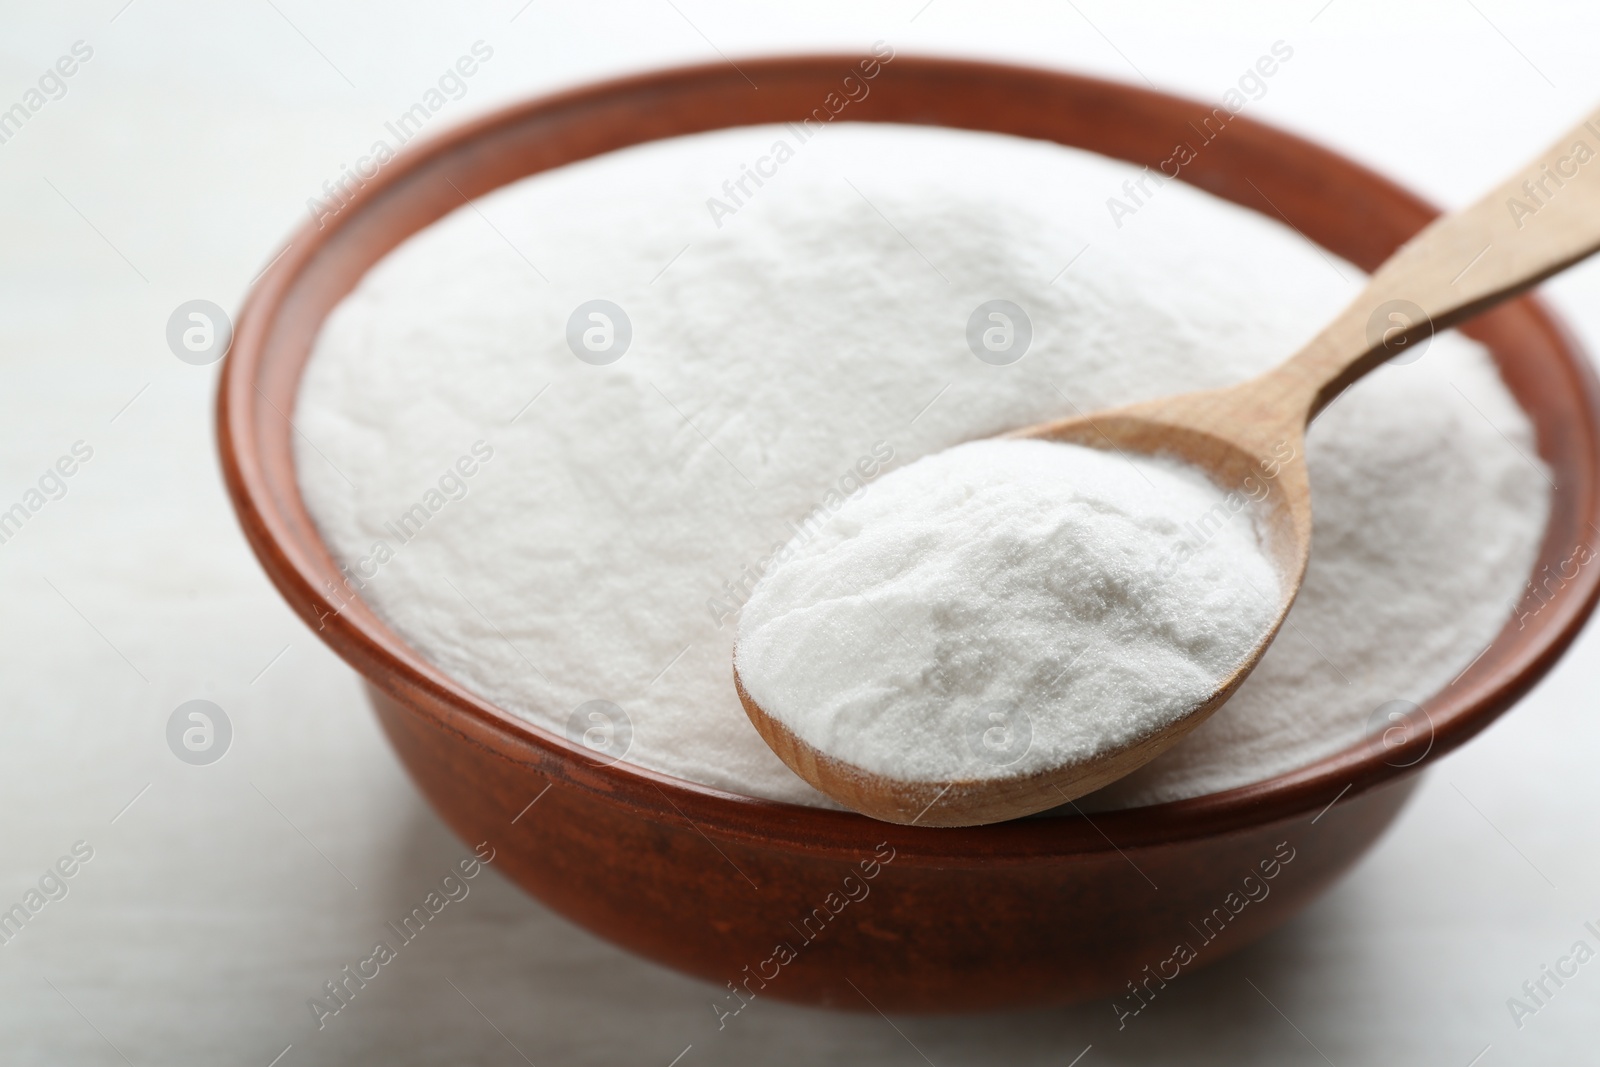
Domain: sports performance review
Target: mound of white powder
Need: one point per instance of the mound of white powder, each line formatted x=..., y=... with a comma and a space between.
x=782, y=361
x=1004, y=607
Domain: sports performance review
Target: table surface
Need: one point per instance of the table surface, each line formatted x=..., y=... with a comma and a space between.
x=219, y=898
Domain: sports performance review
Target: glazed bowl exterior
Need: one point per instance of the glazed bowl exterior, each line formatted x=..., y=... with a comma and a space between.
x=829, y=907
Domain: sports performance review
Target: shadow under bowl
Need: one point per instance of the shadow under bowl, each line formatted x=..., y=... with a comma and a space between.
x=1041, y=910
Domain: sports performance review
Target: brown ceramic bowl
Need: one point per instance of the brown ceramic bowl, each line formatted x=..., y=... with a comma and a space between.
x=1034, y=911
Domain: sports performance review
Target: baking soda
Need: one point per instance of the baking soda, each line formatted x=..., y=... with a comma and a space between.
x=779, y=367
x=1005, y=607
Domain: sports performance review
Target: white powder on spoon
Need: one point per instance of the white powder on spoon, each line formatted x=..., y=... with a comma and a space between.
x=1003, y=607
x=817, y=337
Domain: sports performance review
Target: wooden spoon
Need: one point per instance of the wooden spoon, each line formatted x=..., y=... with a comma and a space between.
x=1542, y=220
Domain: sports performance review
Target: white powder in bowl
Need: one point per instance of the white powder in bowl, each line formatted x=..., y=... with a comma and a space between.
x=1004, y=607
x=780, y=361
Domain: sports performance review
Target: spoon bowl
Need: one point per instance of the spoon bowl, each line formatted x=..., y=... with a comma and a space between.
x=1255, y=431
x=1027, y=913
x=1199, y=429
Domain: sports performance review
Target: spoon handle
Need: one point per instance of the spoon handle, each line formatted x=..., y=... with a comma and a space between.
x=1542, y=219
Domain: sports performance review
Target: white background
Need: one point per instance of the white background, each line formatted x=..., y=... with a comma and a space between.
x=177, y=163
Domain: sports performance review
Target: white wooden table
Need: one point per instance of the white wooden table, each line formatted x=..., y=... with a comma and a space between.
x=219, y=898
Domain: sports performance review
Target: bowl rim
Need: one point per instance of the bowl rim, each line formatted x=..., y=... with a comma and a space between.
x=284, y=538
